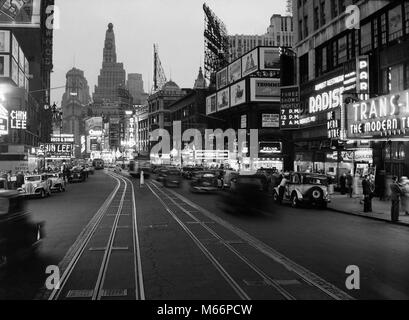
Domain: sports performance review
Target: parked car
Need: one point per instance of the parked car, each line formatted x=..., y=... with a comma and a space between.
x=305, y=188
x=57, y=182
x=36, y=185
x=19, y=236
x=171, y=177
x=204, y=181
x=77, y=174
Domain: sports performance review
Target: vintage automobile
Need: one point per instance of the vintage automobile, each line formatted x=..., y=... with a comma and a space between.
x=171, y=177
x=228, y=176
x=19, y=237
x=36, y=185
x=246, y=195
x=305, y=188
x=57, y=182
x=188, y=172
x=77, y=174
x=204, y=181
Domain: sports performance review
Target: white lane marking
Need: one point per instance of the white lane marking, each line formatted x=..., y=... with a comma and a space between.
x=236, y=287
x=304, y=273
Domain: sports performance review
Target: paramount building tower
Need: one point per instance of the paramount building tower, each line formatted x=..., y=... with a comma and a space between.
x=112, y=74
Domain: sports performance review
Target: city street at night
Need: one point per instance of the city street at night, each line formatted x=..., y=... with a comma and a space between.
x=189, y=248
x=202, y=159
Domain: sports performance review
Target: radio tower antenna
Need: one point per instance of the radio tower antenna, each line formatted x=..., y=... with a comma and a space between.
x=159, y=77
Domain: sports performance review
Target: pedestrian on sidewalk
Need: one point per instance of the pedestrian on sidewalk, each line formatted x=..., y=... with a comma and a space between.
x=342, y=183
x=396, y=193
x=404, y=181
x=350, y=181
x=367, y=194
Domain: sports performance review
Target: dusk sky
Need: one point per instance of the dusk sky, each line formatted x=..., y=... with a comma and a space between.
x=176, y=26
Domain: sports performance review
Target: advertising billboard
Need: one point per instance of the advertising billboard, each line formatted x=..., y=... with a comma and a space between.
x=211, y=104
x=20, y=13
x=4, y=120
x=4, y=41
x=223, y=99
x=249, y=62
x=238, y=93
x=380, y=117
x=234, y=71
x=62, y=138
x=290, y=107
x=94, y=123
x=56, y=150
x=221, y=78
x=269, y=59
x=267, y=90
x=269, y=147
x=270, y=120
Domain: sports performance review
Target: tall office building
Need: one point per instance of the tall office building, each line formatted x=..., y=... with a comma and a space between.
x=74, y=102
x=134, y=85
x=279, y=33
x=112, y=74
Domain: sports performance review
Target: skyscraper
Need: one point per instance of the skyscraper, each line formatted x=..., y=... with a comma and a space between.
x=112, y=74
x=74, y=100
x=135, y=88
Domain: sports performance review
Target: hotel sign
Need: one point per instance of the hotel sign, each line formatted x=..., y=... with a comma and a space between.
x=385, y=116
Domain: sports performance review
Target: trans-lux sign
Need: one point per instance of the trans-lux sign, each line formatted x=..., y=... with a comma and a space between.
x=383, y=116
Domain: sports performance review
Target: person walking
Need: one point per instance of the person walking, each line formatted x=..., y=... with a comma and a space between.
x=281, y=188
x=349, y=181
x=404, y=181
x=396, y=193
x=367, y=194
x=342, y=183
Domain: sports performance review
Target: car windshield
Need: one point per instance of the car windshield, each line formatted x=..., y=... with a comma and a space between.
x=315, y=180
x=33, y=178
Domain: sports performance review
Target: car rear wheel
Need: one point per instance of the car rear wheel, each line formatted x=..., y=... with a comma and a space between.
x=294, y=201
x=316, y=194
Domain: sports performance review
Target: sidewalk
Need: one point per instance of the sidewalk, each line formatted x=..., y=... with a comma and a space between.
x=381, y=210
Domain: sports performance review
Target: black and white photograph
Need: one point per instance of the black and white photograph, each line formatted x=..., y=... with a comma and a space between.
x=204, y=159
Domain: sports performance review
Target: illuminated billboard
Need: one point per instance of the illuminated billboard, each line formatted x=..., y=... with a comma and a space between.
x=211, y=104
x=234, y=71
x=56, y=150
x=223, y=101
x=249, y=62
x=20, y=13
x=4, y=119
x=238, y=93
x=380, y=117
x=221, y=78
x=269, y=59
x=263, y=89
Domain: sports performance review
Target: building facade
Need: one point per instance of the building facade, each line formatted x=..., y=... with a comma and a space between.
x=347, y=73
x=134, y=85
x=279, y=33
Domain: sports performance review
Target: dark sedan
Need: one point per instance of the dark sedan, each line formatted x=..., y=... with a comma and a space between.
x=171, y=177
x=204, y=181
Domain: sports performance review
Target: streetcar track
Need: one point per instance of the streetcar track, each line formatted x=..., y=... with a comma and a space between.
x=110, y=203
x=309, y=277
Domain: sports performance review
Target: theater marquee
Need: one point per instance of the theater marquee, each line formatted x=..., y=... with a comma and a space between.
x=382, y=117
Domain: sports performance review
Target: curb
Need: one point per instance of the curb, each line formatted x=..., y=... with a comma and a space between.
x=369, y=217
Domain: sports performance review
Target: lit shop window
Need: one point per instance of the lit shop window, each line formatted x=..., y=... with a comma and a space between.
x=387, y=152
x=401, y=151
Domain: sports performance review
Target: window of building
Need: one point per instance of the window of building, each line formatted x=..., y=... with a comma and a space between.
x=385, y=80
x=366, y=37
x=406, y=7
x=396, y=78
x=306, y=26
x=406, y=76
x=395, y=23
x=334, y=9
x=334, y=53
x=300, y=30
x=304, y=68
x=324, y=59
x=383, y=29
x=356, y=42
x=322, y=11
x=342, y=49
x=375, y=33
x=316, y=18
x=350, y=45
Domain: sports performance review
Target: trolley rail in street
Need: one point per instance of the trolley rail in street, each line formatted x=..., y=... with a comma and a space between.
x=103, y=245
x=247, y=250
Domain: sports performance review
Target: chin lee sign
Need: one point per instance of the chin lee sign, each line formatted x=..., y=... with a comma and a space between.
x=385, y=116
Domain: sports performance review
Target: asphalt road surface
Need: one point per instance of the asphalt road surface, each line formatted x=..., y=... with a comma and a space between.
x=186, y=246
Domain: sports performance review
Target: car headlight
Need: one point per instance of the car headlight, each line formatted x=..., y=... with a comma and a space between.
x=35, y=185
